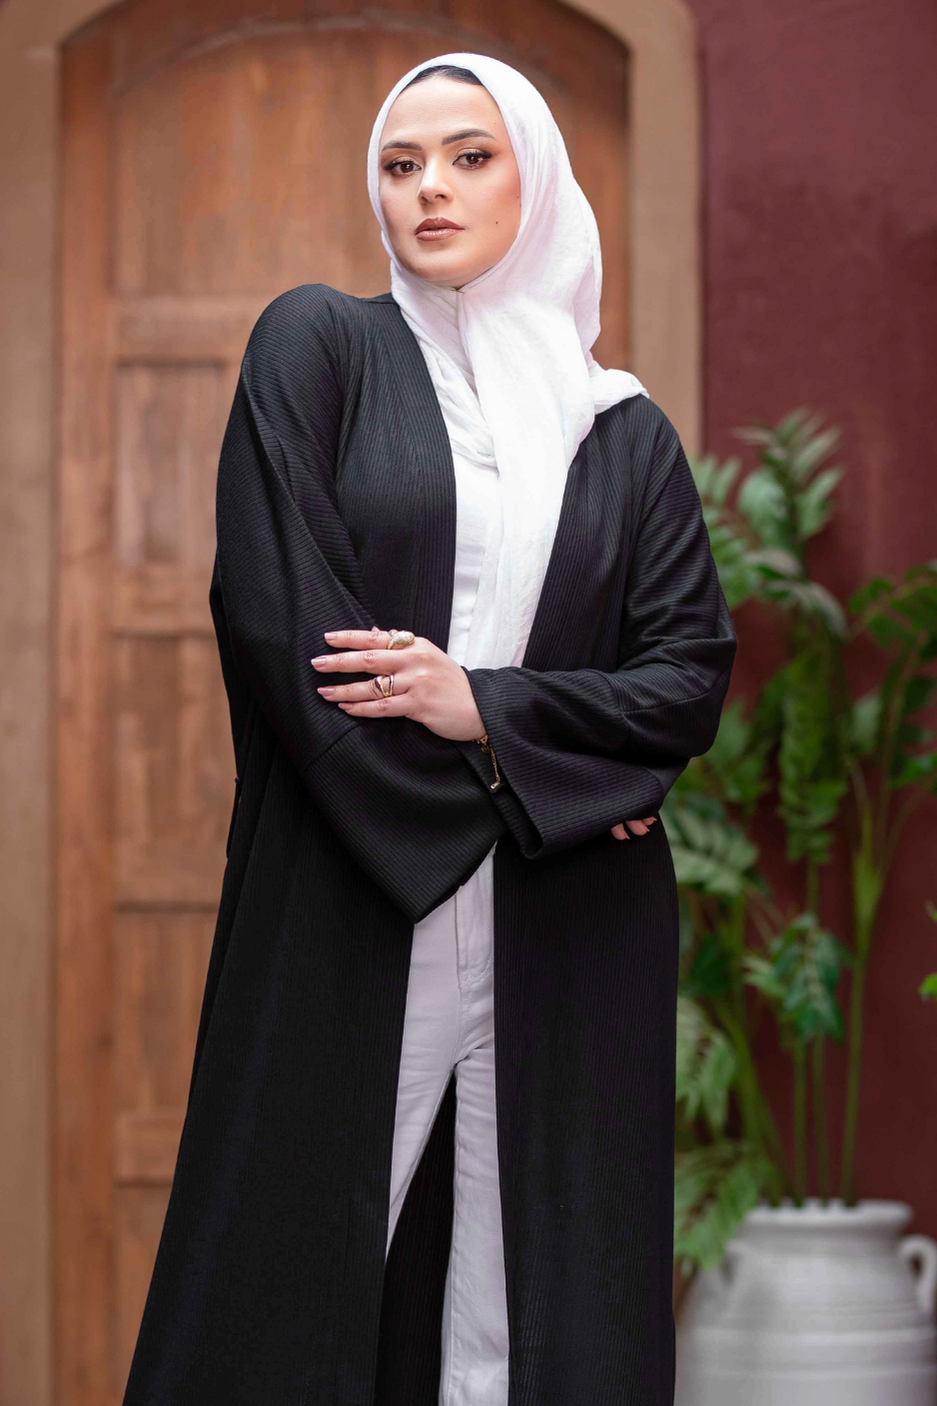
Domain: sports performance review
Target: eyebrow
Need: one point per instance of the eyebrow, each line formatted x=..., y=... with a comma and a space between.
x=455, y=137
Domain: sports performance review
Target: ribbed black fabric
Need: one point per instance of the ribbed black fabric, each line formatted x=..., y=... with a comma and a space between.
x=410, y=1349
x=336, y=507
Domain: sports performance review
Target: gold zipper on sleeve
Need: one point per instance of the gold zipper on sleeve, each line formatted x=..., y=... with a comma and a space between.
x=487, y=747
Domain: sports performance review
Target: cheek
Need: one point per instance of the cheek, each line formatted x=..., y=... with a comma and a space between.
x=502, y=208
x=505, y=197
x=390, y=204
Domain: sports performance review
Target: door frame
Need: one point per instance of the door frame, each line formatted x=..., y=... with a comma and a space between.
x=666, y=336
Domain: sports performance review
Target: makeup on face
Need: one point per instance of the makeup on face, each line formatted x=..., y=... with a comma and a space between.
x=437, y=228
x=450, y=188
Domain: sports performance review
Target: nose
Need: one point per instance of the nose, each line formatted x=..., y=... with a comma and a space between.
x=434, y=183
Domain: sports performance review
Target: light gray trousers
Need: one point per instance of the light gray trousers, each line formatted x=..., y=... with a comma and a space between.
x=449, y=1026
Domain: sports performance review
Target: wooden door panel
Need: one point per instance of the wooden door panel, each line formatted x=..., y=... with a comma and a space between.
x=160, y=960
x=168, y=423
x=138, y=1217
x=174, y=773
x=213, y=156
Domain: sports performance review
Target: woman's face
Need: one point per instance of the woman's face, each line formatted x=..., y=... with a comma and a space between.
x=445, y=156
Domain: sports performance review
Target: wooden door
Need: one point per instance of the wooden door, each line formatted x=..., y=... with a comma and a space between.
x=213, y=156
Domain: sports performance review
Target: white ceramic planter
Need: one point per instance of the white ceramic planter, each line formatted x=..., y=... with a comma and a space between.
x=819, y=1305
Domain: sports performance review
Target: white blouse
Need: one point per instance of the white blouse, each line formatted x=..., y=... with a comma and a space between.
x=478, y=531
x=469, y=910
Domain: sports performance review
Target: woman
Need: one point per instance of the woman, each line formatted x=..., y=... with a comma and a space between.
x=425, y=861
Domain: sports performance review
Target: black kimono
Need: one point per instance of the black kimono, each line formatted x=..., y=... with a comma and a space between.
x=336, y=509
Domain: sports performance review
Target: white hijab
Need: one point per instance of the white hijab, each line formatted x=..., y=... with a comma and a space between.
x=509, y=352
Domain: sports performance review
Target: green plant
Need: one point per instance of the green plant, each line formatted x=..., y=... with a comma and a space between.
x=825, y=762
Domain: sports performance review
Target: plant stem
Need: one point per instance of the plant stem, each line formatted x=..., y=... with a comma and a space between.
x=853, y=1072
x=867, y=891
x=915, y=795
x=760, y=1127
x=812, y=888
x=799, y=1056
x=818, y=1054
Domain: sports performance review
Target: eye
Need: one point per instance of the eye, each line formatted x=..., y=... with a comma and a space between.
x=482, y=155
x=400, y=161
x=477, y=157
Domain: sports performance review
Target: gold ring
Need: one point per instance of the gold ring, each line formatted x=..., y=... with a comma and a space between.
x=400, y=637
x=386, y=684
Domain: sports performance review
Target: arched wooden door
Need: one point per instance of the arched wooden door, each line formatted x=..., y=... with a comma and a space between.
x=213, y=156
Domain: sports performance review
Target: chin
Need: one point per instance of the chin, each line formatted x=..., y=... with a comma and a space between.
x=438, y=265
x=438, y=271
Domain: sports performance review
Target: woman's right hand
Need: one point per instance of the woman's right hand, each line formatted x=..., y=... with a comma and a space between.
x=640, y=827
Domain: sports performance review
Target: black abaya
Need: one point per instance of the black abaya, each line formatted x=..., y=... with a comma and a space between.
x=336, y=509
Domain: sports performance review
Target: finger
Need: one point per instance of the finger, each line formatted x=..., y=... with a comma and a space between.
x=620, y=832
x=365, y=661
x=638, y=827
x=357, y=639
x=358, y=692
x=392, y=707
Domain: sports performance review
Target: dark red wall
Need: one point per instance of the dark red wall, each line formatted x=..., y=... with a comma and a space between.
x=820, y=249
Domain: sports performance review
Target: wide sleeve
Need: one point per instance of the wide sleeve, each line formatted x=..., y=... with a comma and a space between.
x=582, y=749
x=400, y=798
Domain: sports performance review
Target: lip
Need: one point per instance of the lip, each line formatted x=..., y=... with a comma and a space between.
x=437, y=228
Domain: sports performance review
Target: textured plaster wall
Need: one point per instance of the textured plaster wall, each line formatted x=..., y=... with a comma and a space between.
x=820, y=289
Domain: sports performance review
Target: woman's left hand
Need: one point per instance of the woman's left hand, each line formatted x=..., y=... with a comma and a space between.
x=640, y=827
x=429, y=686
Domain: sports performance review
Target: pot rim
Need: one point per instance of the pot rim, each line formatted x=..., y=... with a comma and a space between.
x=833, y=1214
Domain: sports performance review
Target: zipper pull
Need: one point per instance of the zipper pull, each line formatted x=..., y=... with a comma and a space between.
x=487, y=747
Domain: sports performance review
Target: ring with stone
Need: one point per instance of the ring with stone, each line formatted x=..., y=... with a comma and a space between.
x=399, y=638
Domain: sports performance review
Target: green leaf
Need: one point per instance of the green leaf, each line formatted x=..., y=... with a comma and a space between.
x=760, y=433
x=911, y=771
x=798, y=973
x=702, y=467
x=761, y=500
x=710, y=972
x=714, y=1189
x=811, y=452
x=714, y=482
x=928, y=987
x=733, y=769
x=918, y=694
x=811, y=778
x=910, y=735
x=919, y=605
x=709, y=852
x=922, y=570
x=865, y=722
x=815, y=601
x=886, y=631
x=872, y=591
x=706, y=1066
x=776, y=561
x=814, y=504
x=724, y=479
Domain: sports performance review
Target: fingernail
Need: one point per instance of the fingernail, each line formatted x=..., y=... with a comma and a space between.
x=330, y=634
x=326, y=692
x=318, y=661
